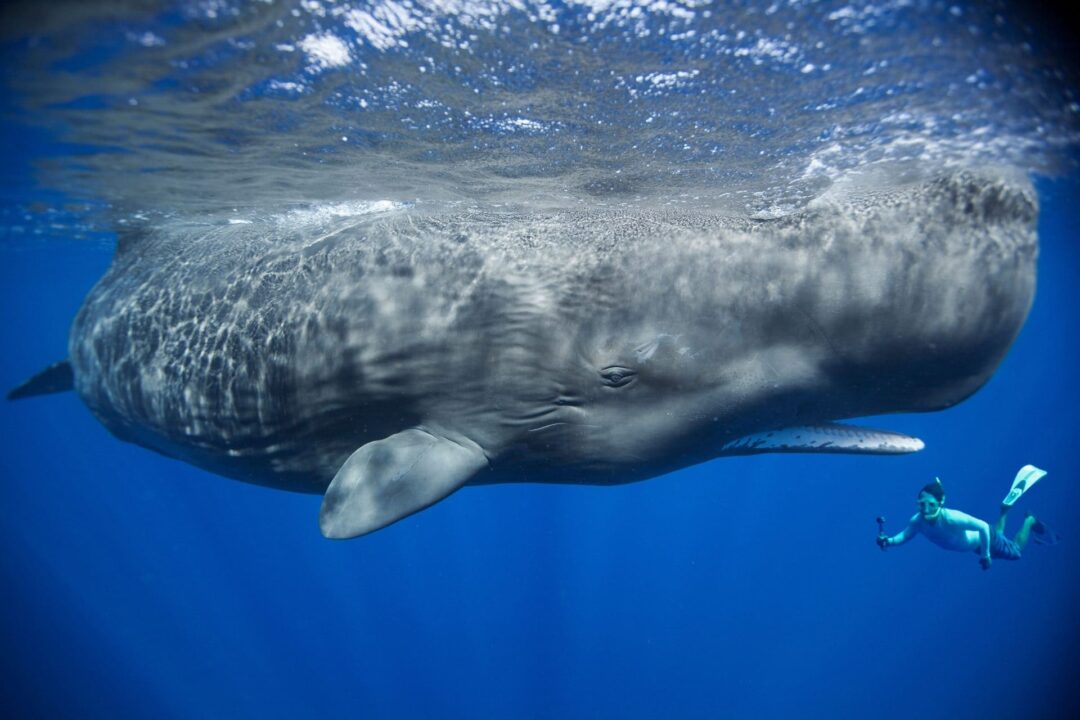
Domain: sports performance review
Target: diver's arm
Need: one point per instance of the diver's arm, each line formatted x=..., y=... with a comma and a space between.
x=967, y=522
x=984, y=539
x=984, y=542
x=984, y=545
x=904, y=535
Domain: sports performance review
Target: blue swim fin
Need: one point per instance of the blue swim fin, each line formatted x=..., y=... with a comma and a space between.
x=1043, y=535
x=1028, y=476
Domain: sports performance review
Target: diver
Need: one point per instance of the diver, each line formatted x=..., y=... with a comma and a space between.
x=955, y=530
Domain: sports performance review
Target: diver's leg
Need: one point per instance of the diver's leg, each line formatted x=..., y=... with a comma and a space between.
x=1024, y=532
x=999, y=526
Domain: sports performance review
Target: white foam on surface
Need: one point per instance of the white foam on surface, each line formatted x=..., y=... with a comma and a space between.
x=325, y=51
x=333, y=211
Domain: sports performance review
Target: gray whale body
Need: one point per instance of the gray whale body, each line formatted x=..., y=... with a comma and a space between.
x=388, y=359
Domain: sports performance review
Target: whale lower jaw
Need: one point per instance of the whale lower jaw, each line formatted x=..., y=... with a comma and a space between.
x=824, y=438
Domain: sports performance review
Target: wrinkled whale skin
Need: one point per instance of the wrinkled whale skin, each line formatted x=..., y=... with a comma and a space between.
x=598, y=347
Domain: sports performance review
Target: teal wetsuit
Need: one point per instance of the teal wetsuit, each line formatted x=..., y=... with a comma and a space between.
x=955, y=530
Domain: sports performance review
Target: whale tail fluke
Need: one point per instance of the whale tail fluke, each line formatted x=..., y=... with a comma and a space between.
x=56, y=378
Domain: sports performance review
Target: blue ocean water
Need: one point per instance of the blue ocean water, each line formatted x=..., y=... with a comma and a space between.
x=138, y=586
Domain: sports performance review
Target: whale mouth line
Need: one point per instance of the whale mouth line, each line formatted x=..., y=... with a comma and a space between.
x=561, y=422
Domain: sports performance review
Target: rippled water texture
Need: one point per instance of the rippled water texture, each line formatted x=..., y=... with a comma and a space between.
x=246, y=107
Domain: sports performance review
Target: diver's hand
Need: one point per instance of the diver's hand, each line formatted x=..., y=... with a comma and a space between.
x=883, y=541
x=985, y=562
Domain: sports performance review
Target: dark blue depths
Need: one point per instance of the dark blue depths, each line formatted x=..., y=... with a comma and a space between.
x=136, y=586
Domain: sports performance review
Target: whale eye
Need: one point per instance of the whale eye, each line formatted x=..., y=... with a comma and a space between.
x=616, y=376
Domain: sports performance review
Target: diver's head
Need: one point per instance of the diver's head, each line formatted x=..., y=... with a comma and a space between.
x=930, y=499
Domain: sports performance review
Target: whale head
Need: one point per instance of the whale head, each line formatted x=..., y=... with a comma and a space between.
x=696, y=337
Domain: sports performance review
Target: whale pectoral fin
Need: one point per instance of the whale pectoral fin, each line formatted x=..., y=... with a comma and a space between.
x=386, y=480
x=826, y=438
